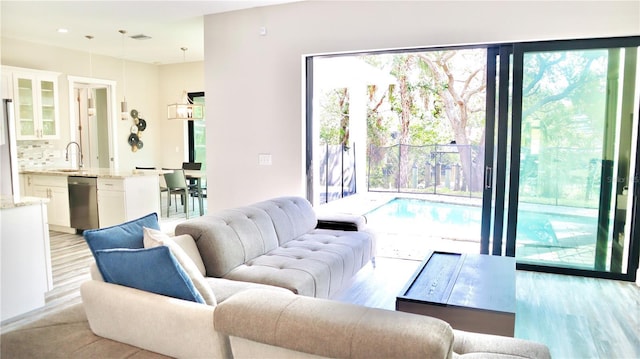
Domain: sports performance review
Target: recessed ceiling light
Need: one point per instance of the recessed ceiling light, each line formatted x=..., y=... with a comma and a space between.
x=63, y=30
x=140, y=37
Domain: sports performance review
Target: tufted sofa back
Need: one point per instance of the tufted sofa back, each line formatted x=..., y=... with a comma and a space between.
x=291, y=216
x=232, y=237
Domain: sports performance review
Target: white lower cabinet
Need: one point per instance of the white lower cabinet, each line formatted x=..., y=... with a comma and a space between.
x=120, y=199
x=124, y=199
x=55, y=189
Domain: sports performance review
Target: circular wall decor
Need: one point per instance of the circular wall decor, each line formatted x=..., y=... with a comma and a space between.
x=133, y=139
x=142, y=124
x=135, y=132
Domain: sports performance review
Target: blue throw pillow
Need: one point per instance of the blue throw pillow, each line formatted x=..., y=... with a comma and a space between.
x=125, y=235
x=153, y=270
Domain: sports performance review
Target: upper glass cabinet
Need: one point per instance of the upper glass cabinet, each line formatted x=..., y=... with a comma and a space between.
x=36, y=105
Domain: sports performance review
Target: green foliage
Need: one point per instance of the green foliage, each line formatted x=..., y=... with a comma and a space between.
x=564, y=105
x=334, y=116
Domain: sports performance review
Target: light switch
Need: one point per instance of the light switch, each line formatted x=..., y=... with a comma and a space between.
x=264, y=159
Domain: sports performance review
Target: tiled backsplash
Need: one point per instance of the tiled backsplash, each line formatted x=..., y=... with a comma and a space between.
x=38, y=154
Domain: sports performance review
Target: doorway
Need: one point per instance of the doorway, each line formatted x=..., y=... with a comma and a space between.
x=542, y=137
x=94, y=130
x=574, y=140
x=197, y=136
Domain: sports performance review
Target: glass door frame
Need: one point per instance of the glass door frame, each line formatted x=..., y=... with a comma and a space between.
x=502, y=145
x=519, y=49
x=191, y=130
x=496, y=137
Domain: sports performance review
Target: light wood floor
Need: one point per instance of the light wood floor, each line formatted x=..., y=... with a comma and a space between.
x=576, y=317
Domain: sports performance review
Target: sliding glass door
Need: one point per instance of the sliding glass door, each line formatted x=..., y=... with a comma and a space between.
x=530, y=146
x=573, y=143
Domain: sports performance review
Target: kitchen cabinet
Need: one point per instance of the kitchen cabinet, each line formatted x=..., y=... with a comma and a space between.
x=55, y=189
x=122, y=195
x=25, y=259
x=124, y=199
x=35, y=97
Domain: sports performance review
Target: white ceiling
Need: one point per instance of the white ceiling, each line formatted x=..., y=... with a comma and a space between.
x=170, y=24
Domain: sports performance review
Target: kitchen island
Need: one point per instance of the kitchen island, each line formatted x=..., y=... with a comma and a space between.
x=25, y=259
x=120, y=195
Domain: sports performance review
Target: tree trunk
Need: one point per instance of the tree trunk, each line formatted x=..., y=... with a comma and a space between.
x=456, y=105
x=406, y=99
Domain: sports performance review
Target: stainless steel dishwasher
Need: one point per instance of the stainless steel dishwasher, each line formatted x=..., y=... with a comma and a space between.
x=83, y=202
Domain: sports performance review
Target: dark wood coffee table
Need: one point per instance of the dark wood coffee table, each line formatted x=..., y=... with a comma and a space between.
x=472, y=292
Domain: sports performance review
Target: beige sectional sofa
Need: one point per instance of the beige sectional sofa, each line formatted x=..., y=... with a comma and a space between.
x=254, y=320
x=281, y=242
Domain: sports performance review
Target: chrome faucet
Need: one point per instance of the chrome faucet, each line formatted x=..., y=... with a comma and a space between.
x=66, y=155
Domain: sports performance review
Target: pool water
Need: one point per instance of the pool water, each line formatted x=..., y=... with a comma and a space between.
x=463, y=222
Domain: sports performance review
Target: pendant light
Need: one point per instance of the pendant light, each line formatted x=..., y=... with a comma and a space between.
x=124, y=113
x=185, y=109
x=91, y=108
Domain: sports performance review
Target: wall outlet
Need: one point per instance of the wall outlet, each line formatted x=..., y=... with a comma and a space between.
x=264, y=159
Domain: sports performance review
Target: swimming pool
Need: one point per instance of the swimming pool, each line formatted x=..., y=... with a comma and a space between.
x=463, y=222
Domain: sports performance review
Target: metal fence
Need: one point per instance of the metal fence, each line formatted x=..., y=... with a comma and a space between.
x=564, y=176
x=337, y=172
x=433, y=169
x=556, y=176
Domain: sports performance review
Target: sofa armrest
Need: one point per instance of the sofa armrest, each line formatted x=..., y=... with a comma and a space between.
x=166, y=325
x=467, y=343
x=344, y=222
x=329, y=328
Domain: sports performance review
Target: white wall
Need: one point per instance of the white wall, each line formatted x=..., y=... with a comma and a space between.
x=174, y=79
x=149, y=89
x=254, y=84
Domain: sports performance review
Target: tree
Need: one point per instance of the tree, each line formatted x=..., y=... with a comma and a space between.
x=334, y=120
x=460, y=83
x=564, y=96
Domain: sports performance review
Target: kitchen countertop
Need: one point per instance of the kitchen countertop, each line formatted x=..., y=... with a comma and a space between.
x=91, y=172
x=10, y=202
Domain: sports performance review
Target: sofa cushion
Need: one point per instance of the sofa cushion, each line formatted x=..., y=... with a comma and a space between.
x=154, y=238
x=189, y=246
x=125, y=235
x=291, y=216
x=154, y=270
x=317, y=264
x=230, y=237
x=226, y=288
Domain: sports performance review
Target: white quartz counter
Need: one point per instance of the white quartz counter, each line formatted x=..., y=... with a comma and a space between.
x=91, y=172
x=10, y=202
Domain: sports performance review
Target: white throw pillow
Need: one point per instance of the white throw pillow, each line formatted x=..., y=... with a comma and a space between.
x=155, y=238
x=189, y=246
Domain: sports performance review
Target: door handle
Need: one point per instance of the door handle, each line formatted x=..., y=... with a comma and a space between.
x=487, y=177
